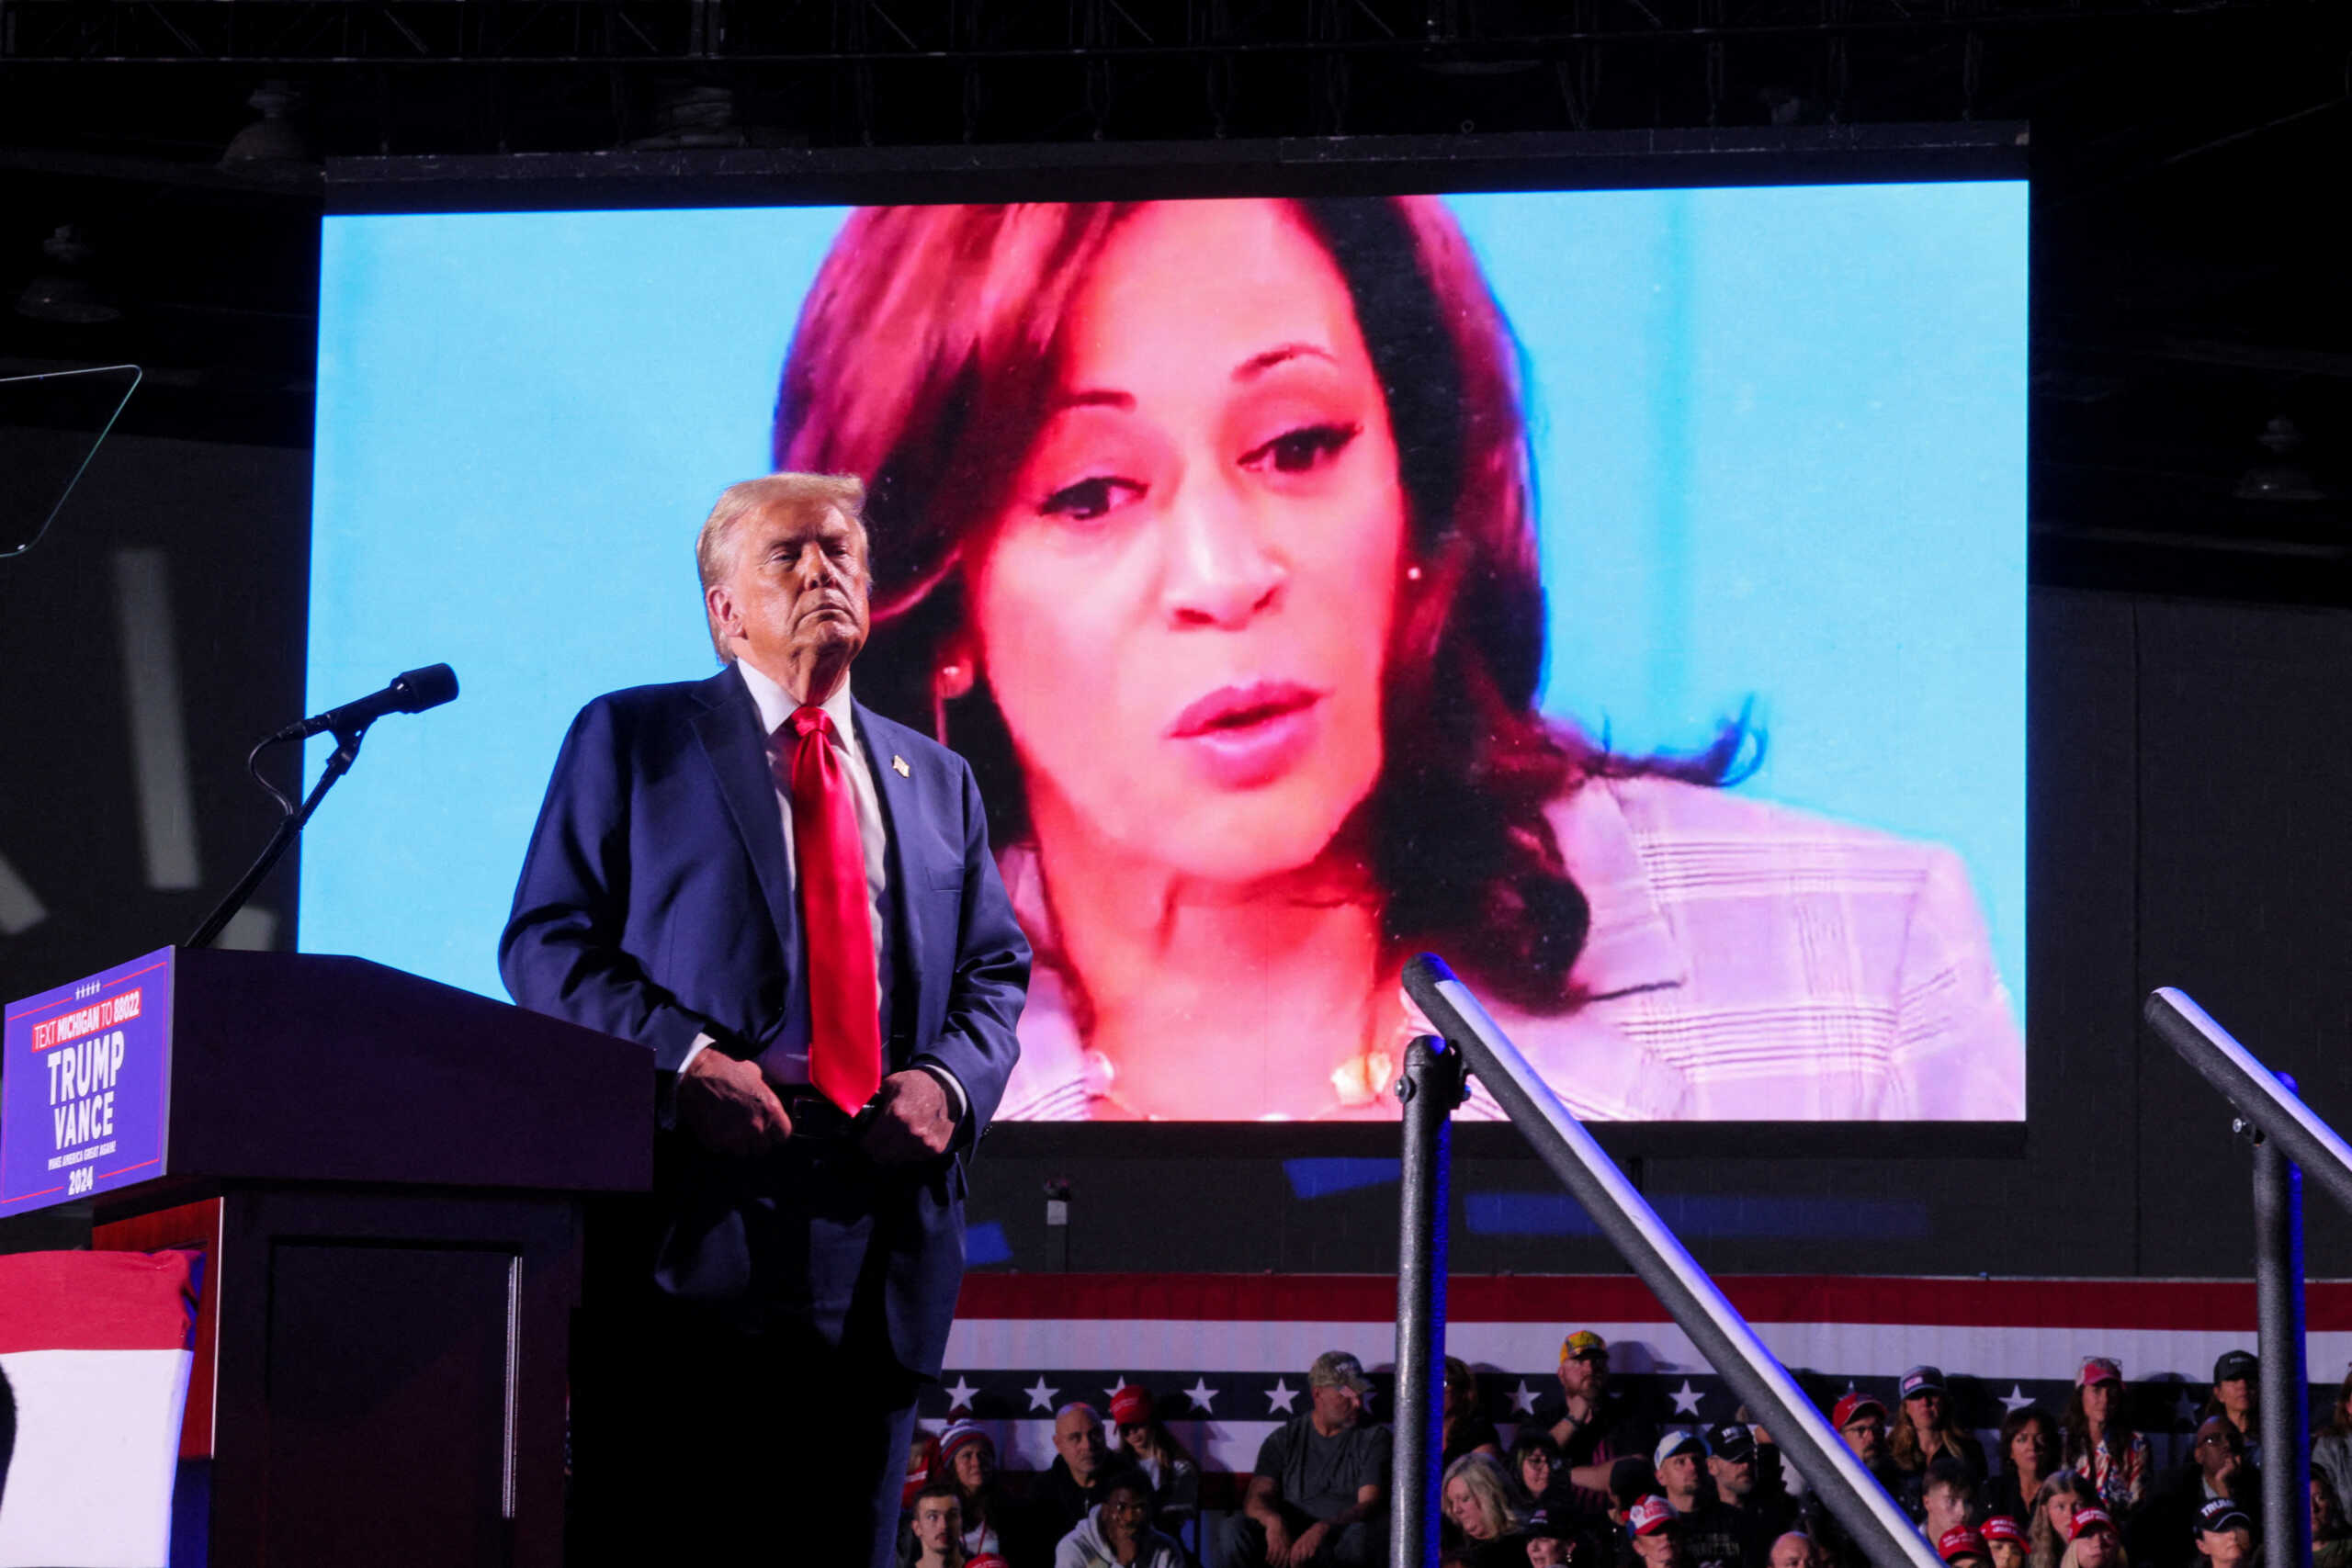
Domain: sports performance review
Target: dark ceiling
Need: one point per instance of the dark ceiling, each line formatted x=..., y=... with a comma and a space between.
x=2189, y=161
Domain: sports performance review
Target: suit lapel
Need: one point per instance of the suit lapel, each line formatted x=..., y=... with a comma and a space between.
x=904, y=858
x=729, y=729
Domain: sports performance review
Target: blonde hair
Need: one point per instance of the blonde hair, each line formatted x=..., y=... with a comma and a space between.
x=798, y=494
x=1489, y=1486
x=2117, y=1558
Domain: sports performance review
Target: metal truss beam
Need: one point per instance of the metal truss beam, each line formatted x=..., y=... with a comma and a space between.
x=1459, y=33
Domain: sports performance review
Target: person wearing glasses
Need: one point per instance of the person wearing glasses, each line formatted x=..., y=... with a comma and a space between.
x=2217, y=1470
x=1592, y=1423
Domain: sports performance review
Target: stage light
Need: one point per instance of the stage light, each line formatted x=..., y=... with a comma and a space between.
x=66, y=292
x=693, y=116
x=274, y=138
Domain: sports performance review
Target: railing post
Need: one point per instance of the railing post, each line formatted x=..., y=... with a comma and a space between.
x=2284, y=1390
x=1430, y=1090
x=1715, y=1327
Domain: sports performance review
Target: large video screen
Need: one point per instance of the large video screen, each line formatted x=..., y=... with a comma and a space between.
x=1621, y=593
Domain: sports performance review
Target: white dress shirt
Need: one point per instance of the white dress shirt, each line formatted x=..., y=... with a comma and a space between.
x=776, y=707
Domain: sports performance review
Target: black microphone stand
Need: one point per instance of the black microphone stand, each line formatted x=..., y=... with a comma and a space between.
x=290, y=823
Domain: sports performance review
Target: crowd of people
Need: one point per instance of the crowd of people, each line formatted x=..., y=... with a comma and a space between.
x=1586, y=1481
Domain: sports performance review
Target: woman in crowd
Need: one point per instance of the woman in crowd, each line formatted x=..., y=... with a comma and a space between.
x=2331, y=1445
x=2331, y=1541
x=1465, y=1429
x=1925, y=1429
x=2028, y=1454
x=2065, y=1494
x=2094, y=1543
x=1174, y=1475
x=2099, y=1443
x=1206, y=530
x=969, y=1455
x=1479, y=1515
x=1538, y=1479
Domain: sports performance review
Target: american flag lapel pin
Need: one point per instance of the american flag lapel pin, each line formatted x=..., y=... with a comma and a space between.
x=900, y=763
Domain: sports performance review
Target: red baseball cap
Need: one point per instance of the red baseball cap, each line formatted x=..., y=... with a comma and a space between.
x=2099, y=1368
x=2089, y=1519
x=2000, y=1526
x=986, y=1559
x=1853, y=1405
x=1648, y=1516
x=1961, y=1541
x=1131, y=1403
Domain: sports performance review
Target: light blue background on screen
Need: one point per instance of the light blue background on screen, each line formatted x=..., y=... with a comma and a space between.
x=1782, y=438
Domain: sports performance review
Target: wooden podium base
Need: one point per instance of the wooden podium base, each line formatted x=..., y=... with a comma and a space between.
x=380, y=1372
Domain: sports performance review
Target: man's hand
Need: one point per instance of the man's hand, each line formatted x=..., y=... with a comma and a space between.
x=728, y=1106
x=912, y=1120
x=1278, y=1542
x=1309, y=1542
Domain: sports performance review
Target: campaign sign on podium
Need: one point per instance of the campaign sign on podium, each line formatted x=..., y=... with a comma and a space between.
x=81, y=1085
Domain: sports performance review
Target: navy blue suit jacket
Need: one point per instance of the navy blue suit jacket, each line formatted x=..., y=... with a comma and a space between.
x=655, y=905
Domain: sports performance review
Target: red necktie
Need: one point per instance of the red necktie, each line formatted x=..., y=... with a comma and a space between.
x=845, y=1031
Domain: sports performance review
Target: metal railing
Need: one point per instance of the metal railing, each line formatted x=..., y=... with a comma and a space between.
x=2288, y=1141
x=1431, y=1090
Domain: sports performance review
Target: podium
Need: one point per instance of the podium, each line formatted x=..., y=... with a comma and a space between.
x=386, y=1175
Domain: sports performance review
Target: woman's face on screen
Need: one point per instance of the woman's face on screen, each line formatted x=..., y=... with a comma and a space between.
x=1184, y=605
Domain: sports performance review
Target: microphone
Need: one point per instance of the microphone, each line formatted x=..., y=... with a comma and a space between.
x=412, y=691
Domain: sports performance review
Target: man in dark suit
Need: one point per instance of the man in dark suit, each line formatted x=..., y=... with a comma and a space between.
x=790, y=901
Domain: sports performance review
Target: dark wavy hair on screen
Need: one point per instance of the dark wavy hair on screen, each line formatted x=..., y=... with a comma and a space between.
x=923, y=351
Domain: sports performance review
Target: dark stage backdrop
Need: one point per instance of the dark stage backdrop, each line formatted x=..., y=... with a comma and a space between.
x=2191, y=766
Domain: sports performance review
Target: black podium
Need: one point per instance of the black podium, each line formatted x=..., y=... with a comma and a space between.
x=388, y=1178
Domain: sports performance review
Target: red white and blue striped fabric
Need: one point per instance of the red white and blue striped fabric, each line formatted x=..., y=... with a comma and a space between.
x=1226, y=1356
x=93, y=1347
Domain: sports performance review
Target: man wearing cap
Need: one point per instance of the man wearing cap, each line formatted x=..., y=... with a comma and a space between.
x=1712, y=1535
x=1764, y=1516
x=1317, y=1491
x=2163, y=1531
x=1591, y=1421
x=1656, y=1533
x=2224, y=1534
x=2237, y=1394
x=1861, y=1420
